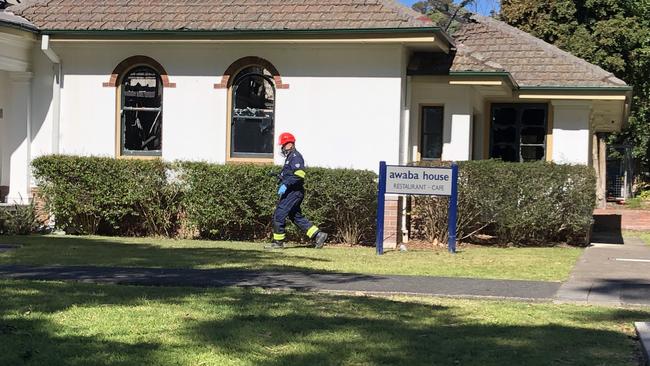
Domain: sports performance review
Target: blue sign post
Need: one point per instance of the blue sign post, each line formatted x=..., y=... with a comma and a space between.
x=380, y=207
x=410, y=180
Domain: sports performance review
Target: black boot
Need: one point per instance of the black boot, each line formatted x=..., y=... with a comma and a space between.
x=319, y=239
x=275, y=245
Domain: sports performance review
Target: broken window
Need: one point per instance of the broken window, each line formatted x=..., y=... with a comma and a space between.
x=518, y=132
x=253, y=114
x=141, y=112
x=432, y=120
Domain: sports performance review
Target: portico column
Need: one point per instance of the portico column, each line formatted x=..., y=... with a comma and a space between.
x=571, y=133
x=459, y=147
x=18, y=139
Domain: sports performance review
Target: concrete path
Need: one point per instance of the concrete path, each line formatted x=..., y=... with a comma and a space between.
x=612, y=274
x=344, y=282
x=643, y=331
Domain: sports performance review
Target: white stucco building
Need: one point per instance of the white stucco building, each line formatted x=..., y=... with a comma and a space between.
x=356, y=81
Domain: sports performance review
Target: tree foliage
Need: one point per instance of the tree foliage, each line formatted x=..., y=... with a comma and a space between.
x=444, y=13
x=614, y=34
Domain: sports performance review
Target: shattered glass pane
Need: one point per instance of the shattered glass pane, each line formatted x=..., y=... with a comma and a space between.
x=142, y=111
x=505, y=135
x=142, y=130
x=533, y=117
x=505, y=116
x=253, y=136
x=533, y=135
x=532, y=153
x=253, y=112
x=505, y=153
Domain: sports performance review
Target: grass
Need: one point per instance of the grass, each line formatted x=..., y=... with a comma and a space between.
x=52, y=323
x=548, y=264
x=634, y=203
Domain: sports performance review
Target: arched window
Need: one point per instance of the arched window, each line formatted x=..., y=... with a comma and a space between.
x=141, y=107
x=253, y=113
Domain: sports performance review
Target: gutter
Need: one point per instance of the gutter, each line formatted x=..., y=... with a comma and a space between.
x=247, y=32
x=503, y=74
x=19, y=26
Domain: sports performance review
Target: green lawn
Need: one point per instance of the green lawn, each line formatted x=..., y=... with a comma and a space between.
x=550, y=264
x=53, y=323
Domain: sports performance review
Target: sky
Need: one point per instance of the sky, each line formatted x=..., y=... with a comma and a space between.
x=480, y=6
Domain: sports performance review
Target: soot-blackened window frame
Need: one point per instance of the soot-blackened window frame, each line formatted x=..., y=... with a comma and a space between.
x=519, y=141
x=439, y=131
x=239, y=114
x=150, y=132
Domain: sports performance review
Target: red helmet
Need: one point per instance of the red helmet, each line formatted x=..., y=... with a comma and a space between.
x=286, y=138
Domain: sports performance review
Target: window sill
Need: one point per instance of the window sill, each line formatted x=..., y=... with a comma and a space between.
x=139, y=157
x=231, y=160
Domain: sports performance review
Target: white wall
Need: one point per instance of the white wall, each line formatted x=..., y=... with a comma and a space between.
x=4, y=105
x=343, y=103
x=571, y=132
x=43, y=107
x=15, y=49
x=18, y=143
x=458, y=102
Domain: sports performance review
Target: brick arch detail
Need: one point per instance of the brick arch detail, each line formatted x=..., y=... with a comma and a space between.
x=133, y=61
x=235, y=67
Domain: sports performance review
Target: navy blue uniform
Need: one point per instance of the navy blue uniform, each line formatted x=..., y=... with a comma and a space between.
x=292, y=176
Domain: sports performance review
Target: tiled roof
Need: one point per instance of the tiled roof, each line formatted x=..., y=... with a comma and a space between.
x=218, y=15
x=483, y=44
x=467, y=59
x=531, y=61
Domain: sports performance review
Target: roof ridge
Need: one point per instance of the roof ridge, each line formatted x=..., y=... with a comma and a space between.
x=187, y=14
x=604, y=75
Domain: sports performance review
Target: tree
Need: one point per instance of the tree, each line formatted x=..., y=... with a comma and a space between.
x=613, y=34
x=5, y=3
x=444, y=13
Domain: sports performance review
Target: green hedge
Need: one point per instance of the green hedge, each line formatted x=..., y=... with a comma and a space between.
x=90, y=195
x=521, y=204
x=237, y=201
x=108, y=196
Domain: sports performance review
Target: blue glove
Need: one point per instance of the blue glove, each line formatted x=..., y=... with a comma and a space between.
x=282, y=189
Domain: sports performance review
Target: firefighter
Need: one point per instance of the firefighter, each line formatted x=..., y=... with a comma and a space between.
x=291, y=193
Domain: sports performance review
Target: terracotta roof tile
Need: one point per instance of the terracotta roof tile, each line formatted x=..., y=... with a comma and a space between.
x=218, y=15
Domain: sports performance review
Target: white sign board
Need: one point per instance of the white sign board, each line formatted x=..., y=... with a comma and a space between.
x=418, y=180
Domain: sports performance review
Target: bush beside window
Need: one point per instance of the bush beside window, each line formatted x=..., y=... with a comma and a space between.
x=522, y=204
x=108, y=196
x=91, y=195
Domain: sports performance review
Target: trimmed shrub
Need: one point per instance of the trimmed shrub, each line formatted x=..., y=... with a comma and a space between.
x=93, y=195
x=519, y=203
x=343, y=202
x=231, y=202
x=236, y=202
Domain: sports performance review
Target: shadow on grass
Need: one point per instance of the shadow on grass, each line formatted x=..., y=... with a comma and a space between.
x=285, y=328
x=68, y=250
